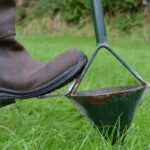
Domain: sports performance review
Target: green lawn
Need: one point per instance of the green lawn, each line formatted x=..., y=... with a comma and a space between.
x=55, y=124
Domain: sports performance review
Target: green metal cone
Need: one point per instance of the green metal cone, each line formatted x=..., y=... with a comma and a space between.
x=112, y=109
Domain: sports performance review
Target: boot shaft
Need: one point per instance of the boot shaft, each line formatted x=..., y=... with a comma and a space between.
x=7, y=18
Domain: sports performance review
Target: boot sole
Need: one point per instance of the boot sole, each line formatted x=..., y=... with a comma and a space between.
x=8, y=96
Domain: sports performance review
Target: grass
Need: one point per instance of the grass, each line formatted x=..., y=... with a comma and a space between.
x=55, y=124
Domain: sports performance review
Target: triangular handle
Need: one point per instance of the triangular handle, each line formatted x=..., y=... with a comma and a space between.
x=76, y=84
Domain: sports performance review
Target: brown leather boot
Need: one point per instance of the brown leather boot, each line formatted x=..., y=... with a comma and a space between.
x=23, y=77
x=7, y=18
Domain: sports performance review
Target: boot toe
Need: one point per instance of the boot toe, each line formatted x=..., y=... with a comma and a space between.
x=66, y=61
x=70, y=62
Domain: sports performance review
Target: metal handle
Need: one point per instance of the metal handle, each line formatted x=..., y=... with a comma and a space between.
x=101, y=38
x=98, y=48
x=99, y=22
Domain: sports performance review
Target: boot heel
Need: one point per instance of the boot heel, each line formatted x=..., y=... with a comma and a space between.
x=6, y=101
